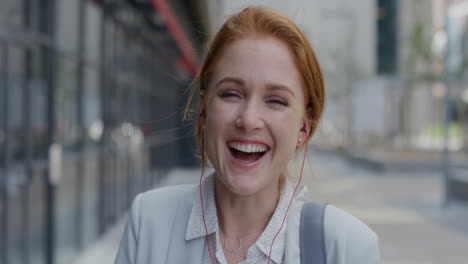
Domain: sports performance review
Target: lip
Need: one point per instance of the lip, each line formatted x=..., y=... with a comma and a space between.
x=242, y=165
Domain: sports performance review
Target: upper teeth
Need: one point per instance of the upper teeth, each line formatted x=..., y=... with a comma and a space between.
x=250, y=148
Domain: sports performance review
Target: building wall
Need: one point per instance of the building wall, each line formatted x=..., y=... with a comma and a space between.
x=413, y=15
x=335, y=28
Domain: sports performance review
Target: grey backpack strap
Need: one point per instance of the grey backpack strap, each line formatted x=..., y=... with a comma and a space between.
x=312, y=233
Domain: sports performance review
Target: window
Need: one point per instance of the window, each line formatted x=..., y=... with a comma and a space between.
x=386, y=36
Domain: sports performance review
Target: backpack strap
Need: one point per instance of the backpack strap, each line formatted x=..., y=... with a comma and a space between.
x=312, y=233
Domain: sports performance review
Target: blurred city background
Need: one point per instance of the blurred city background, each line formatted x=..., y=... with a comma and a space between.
x=91, y=93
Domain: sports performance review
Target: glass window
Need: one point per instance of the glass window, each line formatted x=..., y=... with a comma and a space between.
x=66, y=82
x=93, y=31
x=16, y=109
x=38, y=106
x=16, y=83
x=11, y=12
x=67, y=19
x=387, y=37
x=92, y=106
x=66, y=103
x=93, y=123
x=2, y=106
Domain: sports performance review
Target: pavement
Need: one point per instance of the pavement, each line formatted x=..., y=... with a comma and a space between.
x=404, y=208
x=405, y=160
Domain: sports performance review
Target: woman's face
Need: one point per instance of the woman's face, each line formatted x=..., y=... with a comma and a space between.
x=254, y=114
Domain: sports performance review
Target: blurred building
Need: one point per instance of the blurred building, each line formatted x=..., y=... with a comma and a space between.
x=90, y=100
x=455, y=32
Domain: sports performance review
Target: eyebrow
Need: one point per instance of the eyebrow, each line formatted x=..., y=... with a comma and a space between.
x=280, y=87
x=230, y=79
x=270, y=86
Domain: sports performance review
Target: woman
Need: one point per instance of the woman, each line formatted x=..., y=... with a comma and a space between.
x=261, y=98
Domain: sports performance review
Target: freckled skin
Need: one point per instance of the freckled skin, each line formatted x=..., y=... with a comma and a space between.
x=240, y=102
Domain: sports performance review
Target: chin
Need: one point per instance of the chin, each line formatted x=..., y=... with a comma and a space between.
x=243, y=185
x=242, y=191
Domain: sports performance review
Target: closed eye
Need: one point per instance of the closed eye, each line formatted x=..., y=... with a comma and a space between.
x=228, y=94
x=278, y=101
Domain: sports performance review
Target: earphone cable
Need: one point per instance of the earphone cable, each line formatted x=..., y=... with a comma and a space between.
x=203, y=208
x=292, y=197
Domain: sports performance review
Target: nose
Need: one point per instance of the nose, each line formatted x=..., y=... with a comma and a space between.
x=250, y=117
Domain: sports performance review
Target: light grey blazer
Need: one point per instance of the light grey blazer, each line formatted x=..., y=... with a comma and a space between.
x=156, y=227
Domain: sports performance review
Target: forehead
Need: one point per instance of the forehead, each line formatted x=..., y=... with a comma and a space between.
x=259, y=61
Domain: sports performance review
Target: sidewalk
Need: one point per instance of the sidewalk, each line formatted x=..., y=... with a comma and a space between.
x=403, y=208
x=105, y=249
x=404, y=160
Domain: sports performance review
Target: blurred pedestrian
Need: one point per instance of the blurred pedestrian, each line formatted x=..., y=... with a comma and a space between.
x=261, y=96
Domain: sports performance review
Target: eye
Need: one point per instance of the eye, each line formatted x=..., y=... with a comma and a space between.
x=278, y=101
x=228, y=94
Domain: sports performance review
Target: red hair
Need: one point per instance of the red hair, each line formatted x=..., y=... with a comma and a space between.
x=263, y=21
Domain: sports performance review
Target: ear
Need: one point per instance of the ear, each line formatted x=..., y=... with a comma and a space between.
x=306, y=128
x=307, y=122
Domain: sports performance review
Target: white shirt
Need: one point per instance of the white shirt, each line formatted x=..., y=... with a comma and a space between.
x=258, y=252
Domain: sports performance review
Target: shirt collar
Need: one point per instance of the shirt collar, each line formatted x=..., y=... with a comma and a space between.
x=264, y=241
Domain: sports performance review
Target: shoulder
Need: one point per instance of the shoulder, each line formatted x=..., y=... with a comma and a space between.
x=153, y=217
x=348, y=239
x=161, y=202
x=340, y=224
x=164, y=195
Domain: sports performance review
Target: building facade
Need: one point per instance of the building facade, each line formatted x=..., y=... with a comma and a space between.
x=90, y=96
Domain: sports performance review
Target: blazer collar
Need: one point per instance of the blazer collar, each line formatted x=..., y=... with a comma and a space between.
x=195, y=226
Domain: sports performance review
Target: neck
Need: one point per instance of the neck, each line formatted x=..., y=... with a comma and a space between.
x=239, y=215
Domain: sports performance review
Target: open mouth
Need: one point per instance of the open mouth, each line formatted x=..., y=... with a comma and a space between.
x=247, y=153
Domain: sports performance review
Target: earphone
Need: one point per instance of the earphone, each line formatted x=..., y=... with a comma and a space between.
x=303, y=129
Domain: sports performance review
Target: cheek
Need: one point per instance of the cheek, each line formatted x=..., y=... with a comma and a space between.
x=215, y=116
x=218, y=118
x=286, y=130
x=221, y=113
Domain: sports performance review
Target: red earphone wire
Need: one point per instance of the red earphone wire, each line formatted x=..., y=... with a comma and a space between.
x=292, y=197
x=203, y=210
